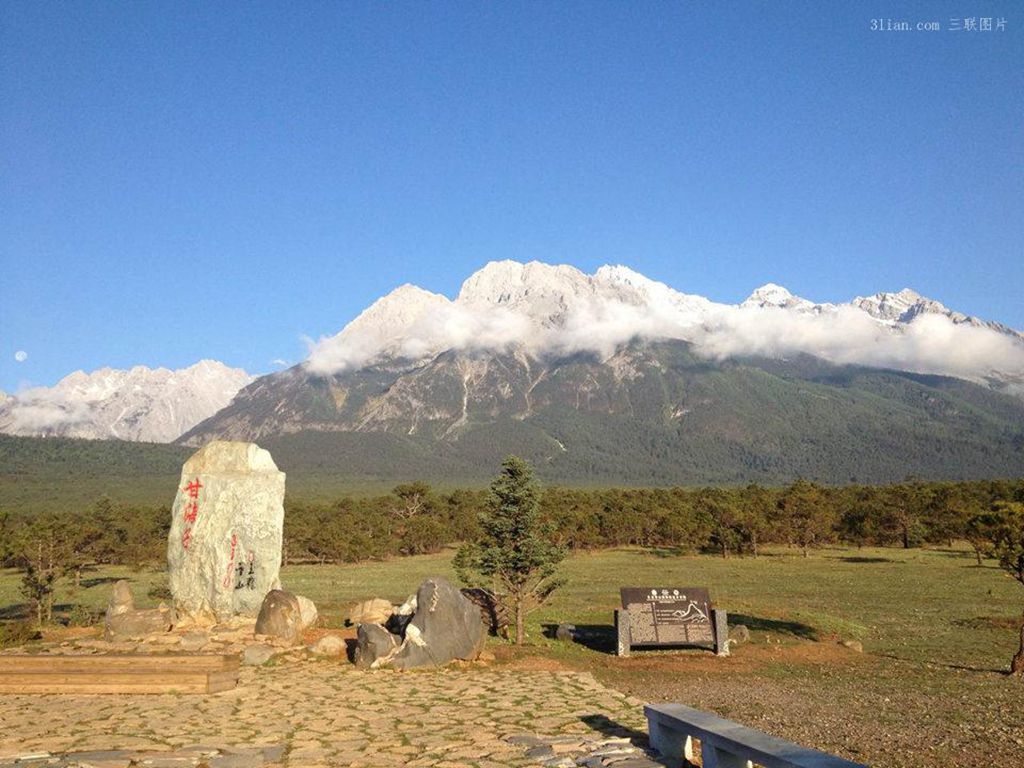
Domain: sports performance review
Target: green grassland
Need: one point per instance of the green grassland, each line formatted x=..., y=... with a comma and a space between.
x=938, y=633
x=924, y=605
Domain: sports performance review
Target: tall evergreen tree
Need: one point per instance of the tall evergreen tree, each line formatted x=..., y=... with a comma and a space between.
x=514, y=552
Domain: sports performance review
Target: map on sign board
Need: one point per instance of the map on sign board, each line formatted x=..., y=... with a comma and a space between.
x=668, y=615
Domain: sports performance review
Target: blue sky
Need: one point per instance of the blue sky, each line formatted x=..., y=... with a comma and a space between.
x=184, y=180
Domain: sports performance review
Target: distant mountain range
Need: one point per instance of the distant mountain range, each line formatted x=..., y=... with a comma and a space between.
x=154, y=405
x=612, y=377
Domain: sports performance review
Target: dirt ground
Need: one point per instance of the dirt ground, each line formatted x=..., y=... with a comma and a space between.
x=823, y=695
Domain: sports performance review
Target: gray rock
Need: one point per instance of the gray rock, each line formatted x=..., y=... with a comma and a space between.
x=565, y=632
x=307, y=611
x=525, y=740
x=236, y=761
x=139, y=623
x=374, y=646
x=739, y=634
x=224, y=546
x=540, y=752
x=446, y=626
x=853, y=645
x=328, y=645
x=107, y=758
x=280, y=616
x=257, y=654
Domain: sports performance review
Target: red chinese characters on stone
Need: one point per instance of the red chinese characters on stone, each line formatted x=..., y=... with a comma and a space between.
x=231, y=562
x=191, y=511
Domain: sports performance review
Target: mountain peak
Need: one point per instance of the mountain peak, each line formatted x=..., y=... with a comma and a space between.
x=902, y=306
x=510, y=282
x=774, y=295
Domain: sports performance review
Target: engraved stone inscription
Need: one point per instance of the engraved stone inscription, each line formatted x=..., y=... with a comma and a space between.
x=668, y=615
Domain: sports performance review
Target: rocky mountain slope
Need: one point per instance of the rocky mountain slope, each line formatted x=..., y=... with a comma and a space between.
x=138, y=404
x=613, y=377
x=654, y=412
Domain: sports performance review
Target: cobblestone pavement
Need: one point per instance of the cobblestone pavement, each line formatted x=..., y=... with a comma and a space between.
x=326, y=713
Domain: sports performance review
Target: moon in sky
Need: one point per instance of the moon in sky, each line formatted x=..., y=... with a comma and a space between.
x=21, y=355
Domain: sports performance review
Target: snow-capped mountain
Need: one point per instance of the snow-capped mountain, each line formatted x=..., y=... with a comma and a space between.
x=558, y=310
x=772, y=296
x=616, y=378
x=138, y=404
x=903, y=307
x=414, y=357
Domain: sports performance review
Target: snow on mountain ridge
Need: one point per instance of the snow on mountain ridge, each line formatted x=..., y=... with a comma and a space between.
x=155, y=404
x=554, y=310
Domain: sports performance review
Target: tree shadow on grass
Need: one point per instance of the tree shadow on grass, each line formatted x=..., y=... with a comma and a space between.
x=17, y=612
x=664, y=552
x=667, y=552
x=957, y=554
x=775, y=626
x=859, y=559
x=596, y=637
x=89, y=583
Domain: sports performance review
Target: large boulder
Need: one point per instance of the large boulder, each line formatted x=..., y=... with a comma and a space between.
x=280, y=616
x=375, y=646
x=224, y=547
x=446, y=626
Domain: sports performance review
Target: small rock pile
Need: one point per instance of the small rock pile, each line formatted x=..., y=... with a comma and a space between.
x=585, y=751
x=278, y=629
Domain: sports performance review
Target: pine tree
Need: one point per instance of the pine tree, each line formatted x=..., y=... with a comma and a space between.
x=514, y=552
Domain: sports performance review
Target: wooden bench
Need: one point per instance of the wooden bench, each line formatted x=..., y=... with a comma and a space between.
x=99, y=673
x=725, y=744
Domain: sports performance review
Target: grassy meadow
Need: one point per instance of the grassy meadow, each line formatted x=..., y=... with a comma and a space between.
x=938, y=632
x=925, y=605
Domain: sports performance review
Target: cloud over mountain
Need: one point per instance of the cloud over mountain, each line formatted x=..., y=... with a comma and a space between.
x=557, y=310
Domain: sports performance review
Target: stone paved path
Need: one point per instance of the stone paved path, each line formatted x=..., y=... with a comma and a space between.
x=326, y=713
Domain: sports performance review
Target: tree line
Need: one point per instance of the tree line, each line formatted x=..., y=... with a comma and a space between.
x=417, y=519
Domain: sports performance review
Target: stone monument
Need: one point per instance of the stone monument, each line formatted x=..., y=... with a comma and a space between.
x=224, y=547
